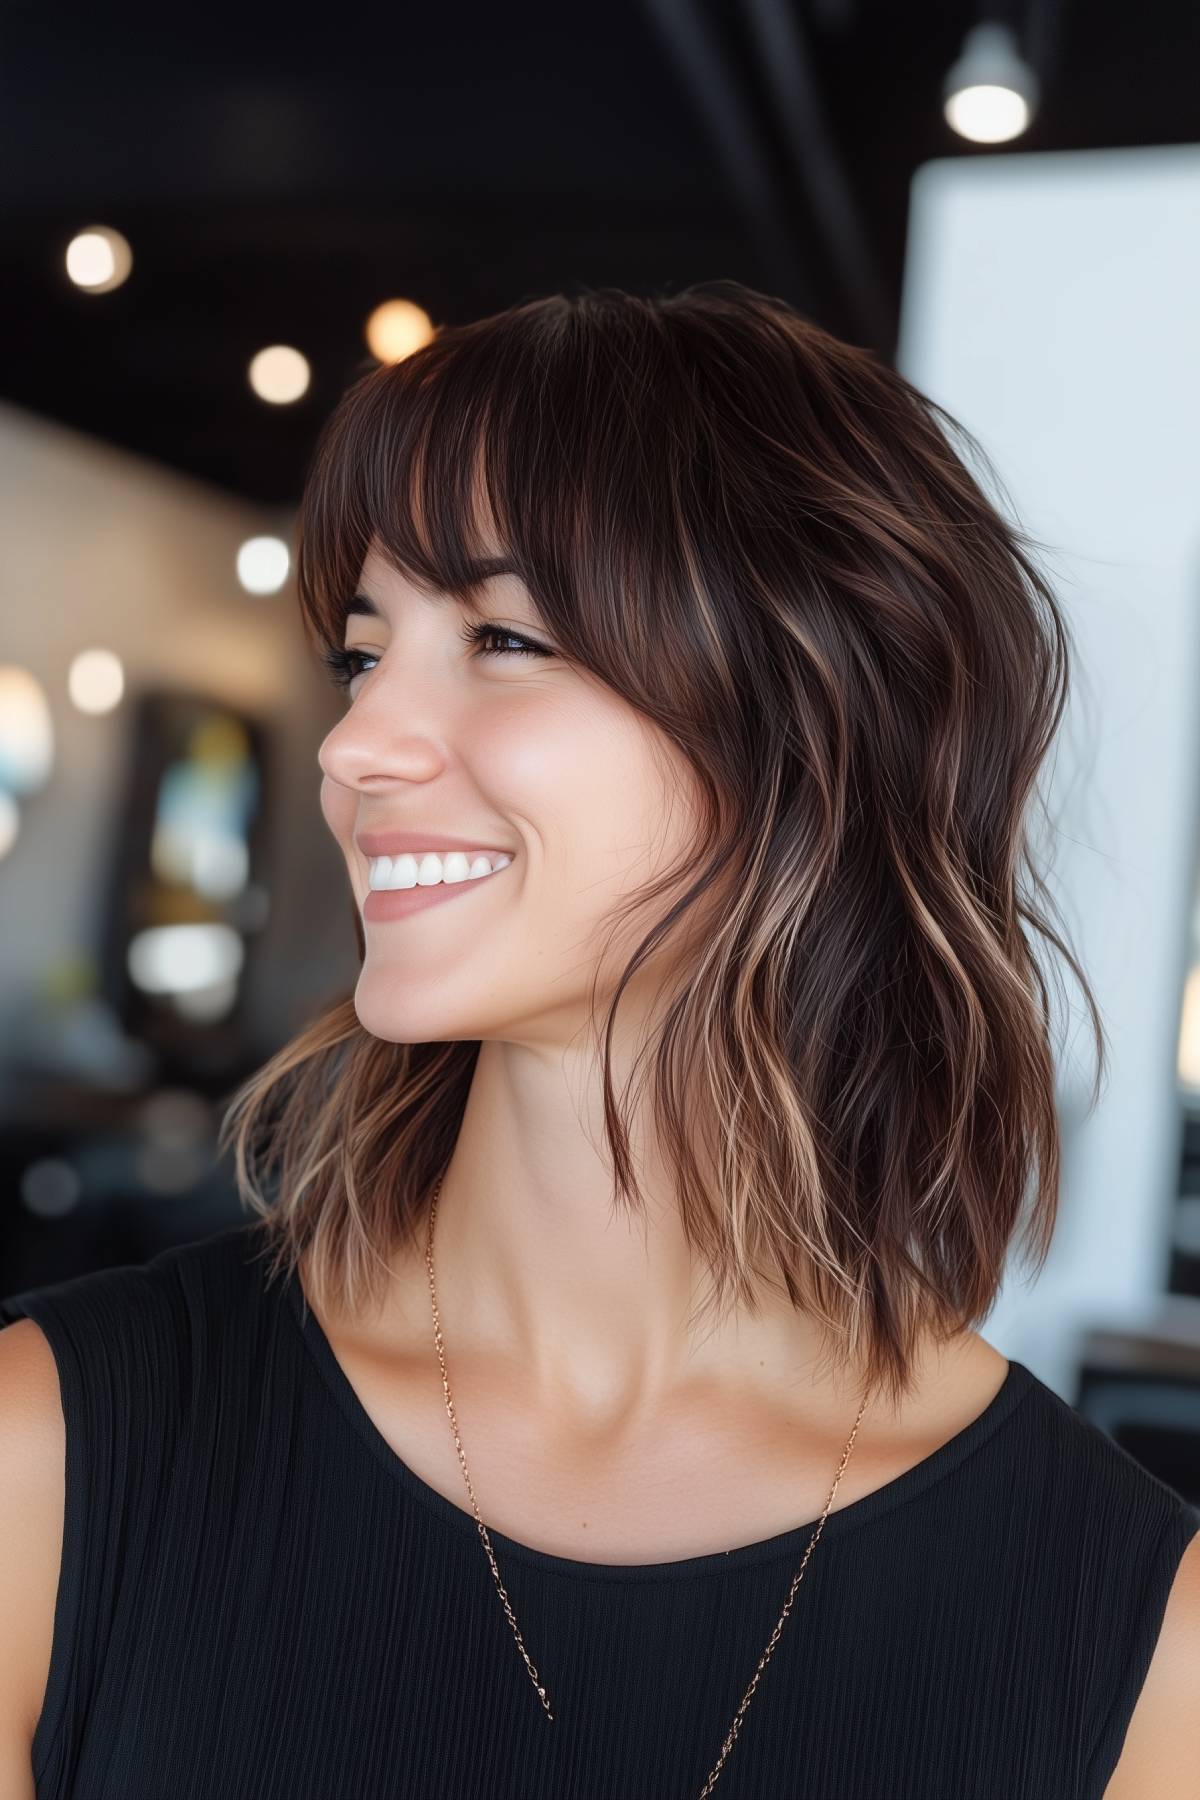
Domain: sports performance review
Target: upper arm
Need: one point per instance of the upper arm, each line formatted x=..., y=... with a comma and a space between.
x=1160, y=1758
x=32, y=1493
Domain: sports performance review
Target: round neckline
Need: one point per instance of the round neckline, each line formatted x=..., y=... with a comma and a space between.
x=935, y=1467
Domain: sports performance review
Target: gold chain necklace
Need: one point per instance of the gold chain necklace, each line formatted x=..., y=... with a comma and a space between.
x=533, y=1674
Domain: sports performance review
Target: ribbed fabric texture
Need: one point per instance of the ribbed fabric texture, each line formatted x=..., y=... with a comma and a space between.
x=259, y=1599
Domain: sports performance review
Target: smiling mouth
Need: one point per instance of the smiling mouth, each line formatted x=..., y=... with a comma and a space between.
x=383, y=904
x=401, y=874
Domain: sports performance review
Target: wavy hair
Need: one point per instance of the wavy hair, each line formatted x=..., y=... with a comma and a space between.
x=765, y=541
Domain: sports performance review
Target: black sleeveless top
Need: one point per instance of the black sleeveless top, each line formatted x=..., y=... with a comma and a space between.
x=258, y=1600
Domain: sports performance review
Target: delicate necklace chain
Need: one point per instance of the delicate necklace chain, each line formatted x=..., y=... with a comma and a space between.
x=533, y=1674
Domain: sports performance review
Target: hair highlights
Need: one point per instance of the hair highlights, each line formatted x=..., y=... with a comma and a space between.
x=765, y=541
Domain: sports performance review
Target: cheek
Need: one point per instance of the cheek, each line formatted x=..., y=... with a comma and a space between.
x=566, y=770
x=602, y=799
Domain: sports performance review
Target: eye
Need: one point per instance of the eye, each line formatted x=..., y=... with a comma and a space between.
x=481, y=633
x=344, y=665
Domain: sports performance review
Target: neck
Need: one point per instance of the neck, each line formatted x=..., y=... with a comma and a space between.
x=536, y=1270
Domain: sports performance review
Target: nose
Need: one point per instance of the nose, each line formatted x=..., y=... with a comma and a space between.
x=369, y=747
x=358, y=765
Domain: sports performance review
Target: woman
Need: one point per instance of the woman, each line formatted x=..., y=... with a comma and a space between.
x=552, y=1432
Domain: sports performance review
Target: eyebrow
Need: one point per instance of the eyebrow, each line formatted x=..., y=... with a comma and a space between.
x=480, y=570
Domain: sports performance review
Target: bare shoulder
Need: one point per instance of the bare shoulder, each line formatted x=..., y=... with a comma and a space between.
x=1158, y=1760
x=32, y=1492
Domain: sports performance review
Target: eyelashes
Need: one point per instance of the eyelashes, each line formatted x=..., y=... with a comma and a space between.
x=343, y=665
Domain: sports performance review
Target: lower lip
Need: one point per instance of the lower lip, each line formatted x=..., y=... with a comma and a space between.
x=397, y=903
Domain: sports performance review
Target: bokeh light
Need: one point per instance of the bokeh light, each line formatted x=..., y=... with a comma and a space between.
x=396, y=328
x=279, y=374
x=263, y=564
x=99, y=259
x=96, y=681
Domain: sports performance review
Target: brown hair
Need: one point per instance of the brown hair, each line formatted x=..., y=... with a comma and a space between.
x=762, y=538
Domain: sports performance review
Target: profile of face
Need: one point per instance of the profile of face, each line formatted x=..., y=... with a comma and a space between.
x=504, y=747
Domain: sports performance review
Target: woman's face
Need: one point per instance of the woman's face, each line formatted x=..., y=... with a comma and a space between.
x=508, y=749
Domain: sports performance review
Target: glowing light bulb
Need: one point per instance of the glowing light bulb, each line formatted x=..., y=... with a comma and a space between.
x=991, y=93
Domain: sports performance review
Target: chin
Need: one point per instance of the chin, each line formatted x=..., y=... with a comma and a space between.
x=388, y=1008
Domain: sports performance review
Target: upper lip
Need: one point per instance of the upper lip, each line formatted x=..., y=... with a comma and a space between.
x=395, y=843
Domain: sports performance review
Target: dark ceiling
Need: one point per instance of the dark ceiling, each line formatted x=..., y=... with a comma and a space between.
x=279, y=173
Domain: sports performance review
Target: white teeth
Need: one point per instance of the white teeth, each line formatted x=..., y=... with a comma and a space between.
x=387, y=872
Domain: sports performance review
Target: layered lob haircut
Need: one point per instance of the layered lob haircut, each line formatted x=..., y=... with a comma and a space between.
x=776, y=550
